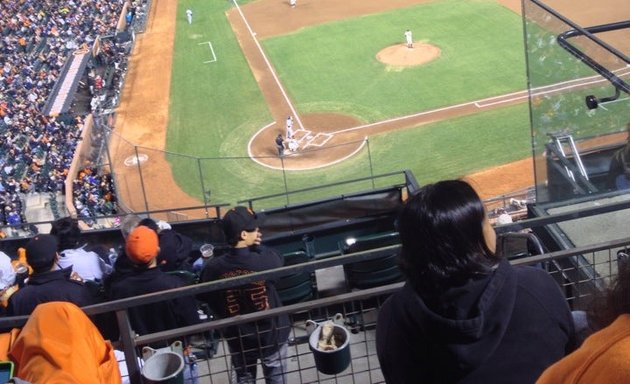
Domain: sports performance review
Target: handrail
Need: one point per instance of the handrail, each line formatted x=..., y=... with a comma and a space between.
x=356, y=295
x=217, y=208
x=199, y=288
x=129, y=341
x=565, y=216
x=310, y=266
x=577, y=251
x=589, y=33
x=563, y=41
x=350, y=181
x=360, y=294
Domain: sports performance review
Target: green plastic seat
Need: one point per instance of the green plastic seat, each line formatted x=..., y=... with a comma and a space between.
x=375, y=272
x=296, y=287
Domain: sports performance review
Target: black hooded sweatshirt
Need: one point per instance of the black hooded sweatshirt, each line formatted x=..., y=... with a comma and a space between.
x=502, y=327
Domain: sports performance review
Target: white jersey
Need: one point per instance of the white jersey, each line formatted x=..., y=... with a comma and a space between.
x=189, y=16
x=409, y=37
x=289, y=125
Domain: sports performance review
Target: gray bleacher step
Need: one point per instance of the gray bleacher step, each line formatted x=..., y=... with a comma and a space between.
x=39, y=208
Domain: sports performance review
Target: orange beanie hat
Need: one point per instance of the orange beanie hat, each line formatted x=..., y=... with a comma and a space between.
x=142, y=245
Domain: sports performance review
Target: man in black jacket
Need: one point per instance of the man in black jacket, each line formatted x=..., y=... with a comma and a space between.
x=142, y=249
x=175, y=248
x=48, y=282
x=266, y=339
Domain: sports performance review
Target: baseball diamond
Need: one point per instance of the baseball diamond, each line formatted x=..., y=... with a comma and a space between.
x=256, y=26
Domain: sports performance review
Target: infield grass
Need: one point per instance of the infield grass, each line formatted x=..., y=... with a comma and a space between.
x=333, y=66
x=217, y=107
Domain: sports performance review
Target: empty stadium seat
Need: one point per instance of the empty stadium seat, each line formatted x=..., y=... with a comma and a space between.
x=298, y=286
x=376, y=272
x=516, y=245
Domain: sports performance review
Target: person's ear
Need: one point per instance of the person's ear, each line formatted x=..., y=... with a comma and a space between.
x=243, y=235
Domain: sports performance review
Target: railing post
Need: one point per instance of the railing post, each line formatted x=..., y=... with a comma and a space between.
x=284, y=176
x=370, y=161
x=144, y=193
x=203, y=188
x=129, y=348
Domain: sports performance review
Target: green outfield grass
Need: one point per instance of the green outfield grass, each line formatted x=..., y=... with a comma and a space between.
x=217, y=107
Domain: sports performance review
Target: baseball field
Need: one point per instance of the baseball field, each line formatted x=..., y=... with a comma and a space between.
x=205, y=100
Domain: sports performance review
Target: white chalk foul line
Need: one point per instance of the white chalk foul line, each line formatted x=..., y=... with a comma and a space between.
x=402, y=118
x=484, y=103
x=269, y=66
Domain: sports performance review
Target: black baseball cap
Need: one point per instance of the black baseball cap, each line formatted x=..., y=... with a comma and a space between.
x=239, y=219
x=41, y=251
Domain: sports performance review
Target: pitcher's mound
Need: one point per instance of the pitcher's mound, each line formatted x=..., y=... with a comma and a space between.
x=400, y=56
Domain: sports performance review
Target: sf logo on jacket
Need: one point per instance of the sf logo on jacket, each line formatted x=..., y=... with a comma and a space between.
x=247, y=299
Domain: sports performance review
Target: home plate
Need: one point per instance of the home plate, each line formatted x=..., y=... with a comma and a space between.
x=309, y=137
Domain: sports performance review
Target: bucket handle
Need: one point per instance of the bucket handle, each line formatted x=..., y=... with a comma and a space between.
x=311, y=325
x=176, y=347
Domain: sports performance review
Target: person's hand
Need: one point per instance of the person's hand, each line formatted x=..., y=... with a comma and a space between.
x=258, y=238
x=76, y=277
x=163, y=225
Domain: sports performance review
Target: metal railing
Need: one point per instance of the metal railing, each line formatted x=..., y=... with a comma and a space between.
x=580, y=272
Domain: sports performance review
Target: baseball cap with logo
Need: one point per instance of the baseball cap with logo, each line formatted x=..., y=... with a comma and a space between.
x=142, y=245
x=41, y=251
x=239, y=219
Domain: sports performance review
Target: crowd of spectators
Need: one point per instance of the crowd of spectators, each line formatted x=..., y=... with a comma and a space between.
x=36, y=39
x=94, y=194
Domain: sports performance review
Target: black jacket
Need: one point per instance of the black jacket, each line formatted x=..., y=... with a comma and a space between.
x=46, y=287
x=175, y=250
x=158, y=316
x=506, y=327
x=257, y=296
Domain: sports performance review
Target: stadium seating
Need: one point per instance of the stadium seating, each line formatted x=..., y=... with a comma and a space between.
x=375, y=272
x=299, y=286
x=33, y=69
x=516, y=245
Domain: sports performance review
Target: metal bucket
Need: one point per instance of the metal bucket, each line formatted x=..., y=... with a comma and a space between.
x=164, y=368
x=335, y=361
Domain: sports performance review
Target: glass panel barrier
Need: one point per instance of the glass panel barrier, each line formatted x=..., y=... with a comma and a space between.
x=573, y=141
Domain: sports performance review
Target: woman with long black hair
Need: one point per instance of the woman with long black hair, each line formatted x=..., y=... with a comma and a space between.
x=465, y=315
